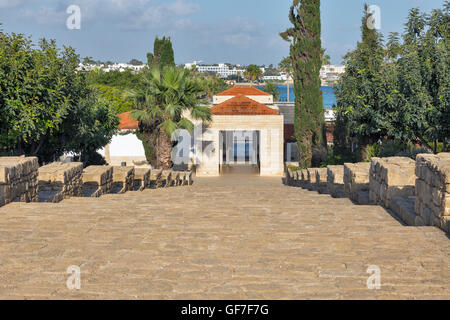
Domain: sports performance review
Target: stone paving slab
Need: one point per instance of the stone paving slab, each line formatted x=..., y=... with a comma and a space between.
x=222, y=238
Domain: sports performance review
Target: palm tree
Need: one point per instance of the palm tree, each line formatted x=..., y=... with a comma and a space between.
x=253, y=72
x=286, y=66
x=160, y=102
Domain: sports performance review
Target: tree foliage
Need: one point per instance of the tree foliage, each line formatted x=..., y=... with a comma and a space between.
x=253, y=72
x=273, y=90
x=306, y=57
x=161, y=102
x=162, y=55
x=398, y=91
x=45, y=103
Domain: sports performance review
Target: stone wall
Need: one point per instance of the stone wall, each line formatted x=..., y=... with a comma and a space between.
x=18, y=179
x=141, y=178
x=391, y=177
x=60, y=180
x=97, y=180
x=123, y=179
x=166, y=178
x=321, y=180
x=335, y=181
x=311, y=179
x=432, y=202
x=357, y=182
x=155, y=178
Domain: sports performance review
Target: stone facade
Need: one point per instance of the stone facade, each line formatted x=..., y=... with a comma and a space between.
x=209, y=151
x=391, y=177
x=59, y=180
x=357, y=182
x=123, y=179
x=432, y=203
x=97, y=180
x=335, y=181
x=18, y=179
x=321, y=180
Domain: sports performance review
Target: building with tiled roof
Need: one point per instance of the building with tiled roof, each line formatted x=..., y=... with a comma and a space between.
x=125, y=147
x=241, y=105
x=250, y=92
x=127, y=122
x=246, y=131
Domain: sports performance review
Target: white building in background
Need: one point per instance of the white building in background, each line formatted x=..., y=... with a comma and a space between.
x=125, y=147
x=121, y=67
x=331, y=73
x=281, y=77
x=221, y=69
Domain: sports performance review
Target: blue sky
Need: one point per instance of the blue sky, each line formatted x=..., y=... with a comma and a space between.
x=236, y=31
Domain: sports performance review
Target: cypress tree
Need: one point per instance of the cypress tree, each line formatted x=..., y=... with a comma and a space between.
x=163, y=54
x=305, y=51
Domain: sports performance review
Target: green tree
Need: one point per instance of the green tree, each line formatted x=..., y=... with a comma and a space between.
x=253, y=72
x=273, y=90
x=326, y=59
x=135, y=62
x=362, y=91
x=398, y=92
x=43, y=100
x=305, y=53
x=286, y=66
x=163, y=54
x=165, y=94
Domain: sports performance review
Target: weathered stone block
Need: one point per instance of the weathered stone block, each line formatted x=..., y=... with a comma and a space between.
x=356, y=180
x=432, y=190
x=321, y=180
x=18, y=179
x=141, y=178
x=97, y=180
x=123, y=179
x=391, y=177
x=60, y=180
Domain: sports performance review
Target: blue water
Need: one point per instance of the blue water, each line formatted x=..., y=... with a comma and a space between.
x=329, y=98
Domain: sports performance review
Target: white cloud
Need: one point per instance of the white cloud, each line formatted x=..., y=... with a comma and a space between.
x=123, y=14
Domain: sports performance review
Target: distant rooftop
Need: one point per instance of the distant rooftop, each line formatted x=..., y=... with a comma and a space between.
x=127, y=122
x=240, y=105
x=246, y=91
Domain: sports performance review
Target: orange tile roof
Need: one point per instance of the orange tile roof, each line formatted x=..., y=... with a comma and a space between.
x=240, y=106
x=246, y=91
x=127, y=122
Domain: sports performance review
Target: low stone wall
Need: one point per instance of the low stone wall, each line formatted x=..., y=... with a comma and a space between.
x=321, y=180
x=141, y=178
x=60, y=180
x=303, y=178
x=179, y=177
x=290, y=176
x=97, y=180
x=335, y=181
x=189, y=178
x=166, y=178
x=311, y=179
x=432, y=202
x=18, y=179
x=357, y=182
x=155, y=178
x=123, y=179
x=391, y=177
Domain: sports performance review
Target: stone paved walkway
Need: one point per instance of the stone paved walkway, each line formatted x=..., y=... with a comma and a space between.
x=227, y=238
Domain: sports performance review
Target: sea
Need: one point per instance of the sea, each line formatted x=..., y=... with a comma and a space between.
x=328, y=93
